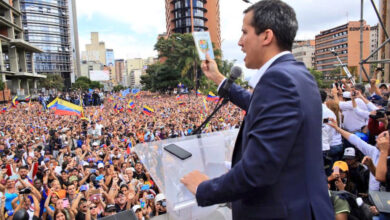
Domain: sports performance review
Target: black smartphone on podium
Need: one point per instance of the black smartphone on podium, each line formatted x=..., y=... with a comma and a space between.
x=177, y=151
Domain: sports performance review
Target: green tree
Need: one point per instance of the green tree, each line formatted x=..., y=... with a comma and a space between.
x=318, y=76
x=1, y=84
x=82, y=83
x=118, y=88
x=181, y=63
x=95, y=85
x=160, y=77
x=52, y=81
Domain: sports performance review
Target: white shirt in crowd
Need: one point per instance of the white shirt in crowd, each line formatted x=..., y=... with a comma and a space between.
x=367, y=150
x=353, y=122
x=327, y=131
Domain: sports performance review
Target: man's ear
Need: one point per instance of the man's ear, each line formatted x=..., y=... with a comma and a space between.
x=268, y=37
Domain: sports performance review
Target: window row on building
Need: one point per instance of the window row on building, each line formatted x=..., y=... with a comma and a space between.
x=51, y=67
x=332, y=48
x=47, y=29
x=187, y=3
x=335, y=35
x=187, y=13
x=37, y=38
x=332, y=60
x=59, y=3
x=337, y=41
x=43, y=9
x=44, y=19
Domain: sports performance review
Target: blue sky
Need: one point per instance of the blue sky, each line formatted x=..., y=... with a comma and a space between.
x=131, y=27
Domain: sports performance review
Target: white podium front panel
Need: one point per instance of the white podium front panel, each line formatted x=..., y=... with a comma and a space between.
x=211, y=154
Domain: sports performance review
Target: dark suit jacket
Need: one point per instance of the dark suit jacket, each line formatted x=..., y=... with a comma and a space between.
x=277, y=166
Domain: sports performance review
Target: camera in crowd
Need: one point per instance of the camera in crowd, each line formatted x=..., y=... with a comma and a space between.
x=25, y=191
x=380, y=113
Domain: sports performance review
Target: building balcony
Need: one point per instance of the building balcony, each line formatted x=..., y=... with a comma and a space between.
x=25, y=45
x=6, y=5
x=6, y=22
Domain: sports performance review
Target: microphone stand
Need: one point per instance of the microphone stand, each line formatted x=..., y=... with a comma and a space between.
x=198, y=131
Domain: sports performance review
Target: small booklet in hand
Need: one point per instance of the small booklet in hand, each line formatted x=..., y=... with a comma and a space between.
x=203, y=44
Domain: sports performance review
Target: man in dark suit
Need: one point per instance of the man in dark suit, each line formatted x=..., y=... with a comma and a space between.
x=277, y=167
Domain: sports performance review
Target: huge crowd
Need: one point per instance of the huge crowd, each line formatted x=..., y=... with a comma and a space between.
x=84, y=167
x=72, y=167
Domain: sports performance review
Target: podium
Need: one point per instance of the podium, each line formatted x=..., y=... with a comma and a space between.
x=211, y=154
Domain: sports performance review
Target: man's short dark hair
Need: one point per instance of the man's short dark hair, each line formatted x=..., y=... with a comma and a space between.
x=277, y=16
x=383, y=86
x=361, y=88
x=23, y=167
x=323, y=95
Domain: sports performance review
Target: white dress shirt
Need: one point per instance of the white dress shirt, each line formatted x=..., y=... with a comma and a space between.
x=256, y=78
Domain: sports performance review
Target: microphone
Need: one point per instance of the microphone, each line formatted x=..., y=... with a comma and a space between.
x=235, y=72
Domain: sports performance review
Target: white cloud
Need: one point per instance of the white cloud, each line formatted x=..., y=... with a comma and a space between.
x=144, y=16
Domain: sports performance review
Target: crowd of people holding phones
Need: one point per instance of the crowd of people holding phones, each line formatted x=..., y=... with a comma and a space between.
x=355, y=145
x=71, y=167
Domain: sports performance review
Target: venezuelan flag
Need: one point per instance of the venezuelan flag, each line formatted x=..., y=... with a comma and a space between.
x=178, y=97
x=27, y=98
x=53, y=104
x=198, y=93
x=66, y=108
x=212, y=97
x=130, y=104
x=147, y=110
x=4, y=109
x=15, y=101
x=181, y=103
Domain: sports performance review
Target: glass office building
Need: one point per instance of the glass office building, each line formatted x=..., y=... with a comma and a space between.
x=47, y=25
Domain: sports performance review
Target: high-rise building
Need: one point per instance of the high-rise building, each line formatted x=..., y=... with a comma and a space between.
x=186, y=16
x=344, y=40
x=120, y=70
x=96, y=50
x=110, y=59
x=52, y=26
x=16, y=64
x=303, y=50
x=74, y=40
x=135, y=78
x=373, y=38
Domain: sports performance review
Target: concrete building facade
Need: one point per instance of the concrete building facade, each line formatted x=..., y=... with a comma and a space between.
x=120, y=70
x=344, y=40
x=303, y=50
x=186, y=16
x=16, y=55
x=87, y=66
x=96, y=50
x=135, y=78
x=51, y=26
x=373, y=38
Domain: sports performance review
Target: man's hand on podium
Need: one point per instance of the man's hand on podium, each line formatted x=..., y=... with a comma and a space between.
x=193, y=179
